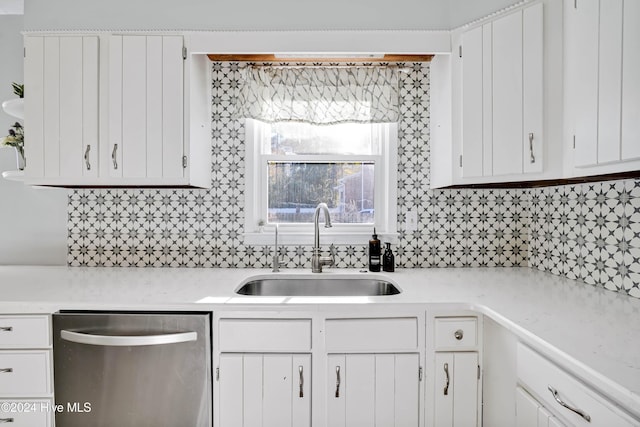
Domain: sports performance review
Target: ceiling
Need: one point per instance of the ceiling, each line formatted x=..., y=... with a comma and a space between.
x=11, y=7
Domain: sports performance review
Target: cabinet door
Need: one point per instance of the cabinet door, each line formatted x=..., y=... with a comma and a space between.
x=61, y=106
x=456, y=389
x=507, y=95
x=373, y=389
x=530, y=413
x=532, y=86
x=582, y=77
x=631, y=81
x=473, y=142
x=526, y=409
x=266, y=390
x=609, y=80
x=146, y=106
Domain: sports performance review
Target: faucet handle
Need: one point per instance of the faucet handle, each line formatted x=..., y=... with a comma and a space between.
x=332, y=251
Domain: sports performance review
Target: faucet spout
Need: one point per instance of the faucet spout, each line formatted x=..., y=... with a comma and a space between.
x=316, y=228
x=317, y=260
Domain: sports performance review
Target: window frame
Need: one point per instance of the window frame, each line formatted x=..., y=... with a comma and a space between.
x=256, y=197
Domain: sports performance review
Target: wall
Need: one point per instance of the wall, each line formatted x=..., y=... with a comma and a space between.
x=250, y=14
x=235, y=15
x=32, y=222
x=589, y=232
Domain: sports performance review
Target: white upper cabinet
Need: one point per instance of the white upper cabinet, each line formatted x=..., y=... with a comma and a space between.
x=497, y=112
x=116, y=110
x=631, y=81
x=507, y=99
x=602, y=85
x=146, y=107
x=61, y=108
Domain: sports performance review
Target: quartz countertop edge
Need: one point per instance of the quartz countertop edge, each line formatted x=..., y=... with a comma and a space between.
x=589, y=331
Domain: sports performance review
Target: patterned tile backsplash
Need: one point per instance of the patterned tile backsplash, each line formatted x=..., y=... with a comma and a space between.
x=589, y=232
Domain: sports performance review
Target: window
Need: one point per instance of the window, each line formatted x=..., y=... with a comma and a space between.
x=291, y=167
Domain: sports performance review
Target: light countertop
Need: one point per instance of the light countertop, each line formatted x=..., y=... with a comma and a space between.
x=591, y=332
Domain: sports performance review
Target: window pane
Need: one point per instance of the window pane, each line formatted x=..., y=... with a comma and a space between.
x=296, y=188
x=303, y=138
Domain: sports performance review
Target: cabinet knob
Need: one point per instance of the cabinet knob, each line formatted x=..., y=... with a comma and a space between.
x=459, y=334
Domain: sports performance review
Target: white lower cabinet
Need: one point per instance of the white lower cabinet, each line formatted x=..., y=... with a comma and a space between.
x=297, y=369
x=373, y=390
x=456, y=389
x=26, y=386
x=455, y=376
x=264, y=389
x=562, y=394
x=26, y=413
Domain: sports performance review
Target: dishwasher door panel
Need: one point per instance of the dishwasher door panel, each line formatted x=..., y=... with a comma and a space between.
x=132, y=370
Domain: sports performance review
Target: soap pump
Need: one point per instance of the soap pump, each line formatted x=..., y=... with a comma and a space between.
x=374, y=252
x=388, y=260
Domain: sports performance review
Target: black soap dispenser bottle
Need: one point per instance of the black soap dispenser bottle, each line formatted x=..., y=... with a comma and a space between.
x=374, y=252
x=388, y=260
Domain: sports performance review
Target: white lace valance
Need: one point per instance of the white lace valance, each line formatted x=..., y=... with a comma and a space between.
x=319, y=95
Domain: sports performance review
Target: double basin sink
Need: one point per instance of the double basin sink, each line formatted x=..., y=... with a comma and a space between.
x=317, y=286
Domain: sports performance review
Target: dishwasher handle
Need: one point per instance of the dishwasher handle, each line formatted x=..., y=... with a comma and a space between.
x=127, y=340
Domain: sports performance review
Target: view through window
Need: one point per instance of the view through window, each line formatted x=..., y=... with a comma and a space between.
x=309, y=164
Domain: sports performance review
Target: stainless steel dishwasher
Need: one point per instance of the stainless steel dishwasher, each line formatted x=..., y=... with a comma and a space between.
x=132, y=369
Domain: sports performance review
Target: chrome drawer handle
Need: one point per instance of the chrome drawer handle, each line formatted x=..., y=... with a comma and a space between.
x=6, y=420
x=301, y=382
x=533, y=158
x=446, y=385
x=580, y=412
x=6, y=328
x=337, y=381
x=459, y=334
x=86, y=157
x=113, y=156
x=6, y=370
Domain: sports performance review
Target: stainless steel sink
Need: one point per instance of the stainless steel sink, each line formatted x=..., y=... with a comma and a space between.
x=318, y=287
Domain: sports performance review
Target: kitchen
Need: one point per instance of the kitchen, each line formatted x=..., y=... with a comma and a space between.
x=529, y=231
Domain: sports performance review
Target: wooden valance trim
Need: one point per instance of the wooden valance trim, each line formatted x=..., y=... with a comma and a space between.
x=272, y=58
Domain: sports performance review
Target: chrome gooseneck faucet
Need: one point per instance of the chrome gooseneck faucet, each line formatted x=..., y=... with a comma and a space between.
x=317, y=261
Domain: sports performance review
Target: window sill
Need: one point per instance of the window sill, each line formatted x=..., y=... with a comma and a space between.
x=326, y=238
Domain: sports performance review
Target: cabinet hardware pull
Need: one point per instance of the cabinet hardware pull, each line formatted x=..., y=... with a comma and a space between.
x=6, y=370
x=113, y=156
x=6, y=328
x=337, y=381
x=86, y=157
x=580, y=412
x=459, y=334
x=6, y=420
x=301, y=380
x=533, y=158
x=446, y=385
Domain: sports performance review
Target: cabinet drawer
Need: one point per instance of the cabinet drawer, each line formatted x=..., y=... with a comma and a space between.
x=25, y=373
x=456, y=333
x=264, y=335
x=26, y=413
x=537, y=374
x=24, y=331
x=394, y=334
